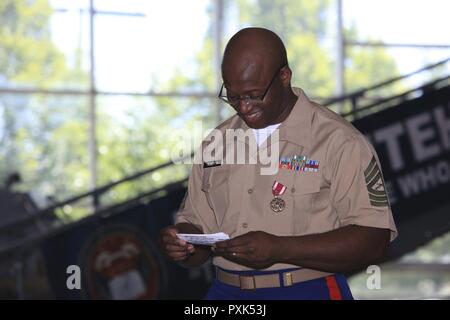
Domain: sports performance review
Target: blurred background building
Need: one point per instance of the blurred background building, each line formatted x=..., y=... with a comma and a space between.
x=92, y=92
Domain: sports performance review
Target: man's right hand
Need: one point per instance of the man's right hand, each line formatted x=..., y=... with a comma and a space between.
x=176, y=249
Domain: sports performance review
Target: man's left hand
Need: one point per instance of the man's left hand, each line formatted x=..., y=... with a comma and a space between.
x=256, y=249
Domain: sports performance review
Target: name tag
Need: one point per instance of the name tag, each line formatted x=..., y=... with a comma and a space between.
x=210, y=164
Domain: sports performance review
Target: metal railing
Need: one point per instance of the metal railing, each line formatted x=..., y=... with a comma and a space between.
x=355, y=96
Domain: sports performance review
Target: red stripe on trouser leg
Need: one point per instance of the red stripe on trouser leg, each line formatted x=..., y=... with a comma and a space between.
x=333, y=288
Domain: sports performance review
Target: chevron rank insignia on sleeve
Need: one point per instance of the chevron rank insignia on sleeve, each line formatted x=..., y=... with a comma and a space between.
x=375, y=185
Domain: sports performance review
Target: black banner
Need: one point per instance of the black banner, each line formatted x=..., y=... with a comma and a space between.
x=413, y=143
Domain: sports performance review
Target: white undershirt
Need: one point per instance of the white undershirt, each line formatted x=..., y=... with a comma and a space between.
x=261, y=135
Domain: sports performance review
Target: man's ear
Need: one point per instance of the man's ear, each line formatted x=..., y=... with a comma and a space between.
x=286, y=75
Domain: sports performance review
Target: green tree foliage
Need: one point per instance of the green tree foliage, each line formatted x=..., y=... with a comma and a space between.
x=138, y=138
x=27, y=54
x=366, y=67
x=43, y=137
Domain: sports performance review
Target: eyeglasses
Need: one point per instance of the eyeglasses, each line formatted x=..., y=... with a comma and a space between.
x=248, y=99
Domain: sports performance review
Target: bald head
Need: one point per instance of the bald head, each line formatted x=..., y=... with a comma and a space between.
x=254, y=47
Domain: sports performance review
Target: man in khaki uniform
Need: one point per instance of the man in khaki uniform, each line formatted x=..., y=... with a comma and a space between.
x=323, y=212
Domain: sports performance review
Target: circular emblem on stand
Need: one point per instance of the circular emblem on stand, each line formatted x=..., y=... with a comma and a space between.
x=120, y=263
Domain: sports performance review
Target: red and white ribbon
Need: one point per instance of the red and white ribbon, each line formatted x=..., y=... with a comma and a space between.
x=278, y=188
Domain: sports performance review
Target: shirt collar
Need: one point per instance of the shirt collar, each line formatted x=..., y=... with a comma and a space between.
x=296, y=128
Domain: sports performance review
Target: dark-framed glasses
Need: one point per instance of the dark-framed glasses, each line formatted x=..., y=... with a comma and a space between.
x=248, y=99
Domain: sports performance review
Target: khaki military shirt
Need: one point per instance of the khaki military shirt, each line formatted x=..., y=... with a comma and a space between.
x=337, y=183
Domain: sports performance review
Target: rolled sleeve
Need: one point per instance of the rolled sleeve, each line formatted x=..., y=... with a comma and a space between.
x=357, y=189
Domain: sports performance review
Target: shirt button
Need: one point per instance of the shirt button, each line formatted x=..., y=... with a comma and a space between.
x=245, y=225
x=293, y=190
x=250, y=191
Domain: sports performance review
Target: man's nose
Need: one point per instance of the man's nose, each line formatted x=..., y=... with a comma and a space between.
x=244, y=105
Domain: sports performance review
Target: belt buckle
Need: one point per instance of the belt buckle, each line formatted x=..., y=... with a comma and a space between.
x=253, y=282
x=287, y=277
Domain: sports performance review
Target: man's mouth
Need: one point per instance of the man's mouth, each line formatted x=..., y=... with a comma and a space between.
x=251, y=116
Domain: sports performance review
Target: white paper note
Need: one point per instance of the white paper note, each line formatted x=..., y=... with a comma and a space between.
x=204, y=239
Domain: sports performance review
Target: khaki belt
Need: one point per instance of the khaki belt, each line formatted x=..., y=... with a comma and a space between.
x=269, y=280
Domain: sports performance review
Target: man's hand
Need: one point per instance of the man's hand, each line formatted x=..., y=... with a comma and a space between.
x=179, y=250
x=256, y=249
x=176, y=249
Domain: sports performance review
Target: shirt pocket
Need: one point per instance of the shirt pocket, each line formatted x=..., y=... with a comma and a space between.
x=216, y=189
x=279, y=223
x=305, y=186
